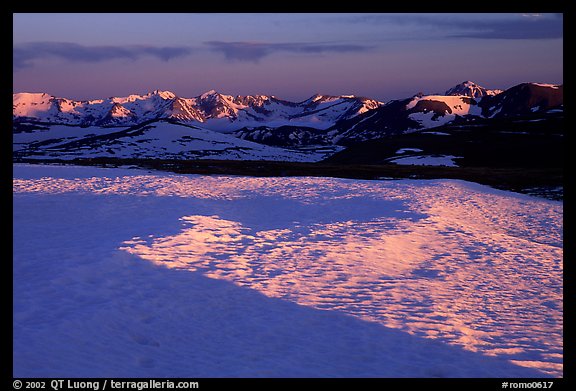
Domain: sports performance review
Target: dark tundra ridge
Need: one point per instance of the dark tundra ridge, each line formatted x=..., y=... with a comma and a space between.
x=510, y=139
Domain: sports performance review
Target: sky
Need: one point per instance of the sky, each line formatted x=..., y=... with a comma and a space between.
x=289, y=55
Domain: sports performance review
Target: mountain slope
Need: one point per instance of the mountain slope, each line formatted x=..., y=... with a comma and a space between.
x=531, y=141
x=162, y=139
x=523, y=99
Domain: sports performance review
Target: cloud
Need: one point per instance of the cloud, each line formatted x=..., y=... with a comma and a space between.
x=26, y=54
x=255, y=51
x=498, y=26
x=525, y=28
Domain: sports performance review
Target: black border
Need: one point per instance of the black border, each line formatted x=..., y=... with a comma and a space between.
x=317, y=7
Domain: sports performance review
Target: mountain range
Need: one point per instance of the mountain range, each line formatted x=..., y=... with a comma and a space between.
x=210, y=110
x=161, y=124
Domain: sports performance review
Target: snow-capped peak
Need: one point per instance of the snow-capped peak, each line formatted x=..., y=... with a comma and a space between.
x=471, y=89
x=31, y=96
x=316, y=97
x=320, y=98
x=32, y=104
x=164, y=94
x=209, y=94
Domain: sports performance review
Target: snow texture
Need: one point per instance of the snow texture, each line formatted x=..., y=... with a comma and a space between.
x=130, y=273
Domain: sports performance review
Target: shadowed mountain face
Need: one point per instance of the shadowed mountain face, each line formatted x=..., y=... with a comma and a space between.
x=523, y=99
x=535, y=140
x=431, y=111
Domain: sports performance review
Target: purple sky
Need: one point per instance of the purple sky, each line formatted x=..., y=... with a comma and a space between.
x=292, y=56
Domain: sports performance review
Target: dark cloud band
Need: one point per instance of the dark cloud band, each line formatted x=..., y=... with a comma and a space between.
x=255, y=51
x=520, y=26
x=526, y=28
x=26, y=54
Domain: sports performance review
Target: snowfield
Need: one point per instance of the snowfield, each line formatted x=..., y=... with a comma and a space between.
x=158, y=139
x=131, y=273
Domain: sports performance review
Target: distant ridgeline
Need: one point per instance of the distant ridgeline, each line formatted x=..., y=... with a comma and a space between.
x=343, y=129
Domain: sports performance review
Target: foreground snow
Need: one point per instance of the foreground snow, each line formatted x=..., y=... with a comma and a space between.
x=132, y=273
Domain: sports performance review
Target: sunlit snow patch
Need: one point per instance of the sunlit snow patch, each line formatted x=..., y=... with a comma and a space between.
x=427, y=160
x=437, y=133
x=405, y=150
